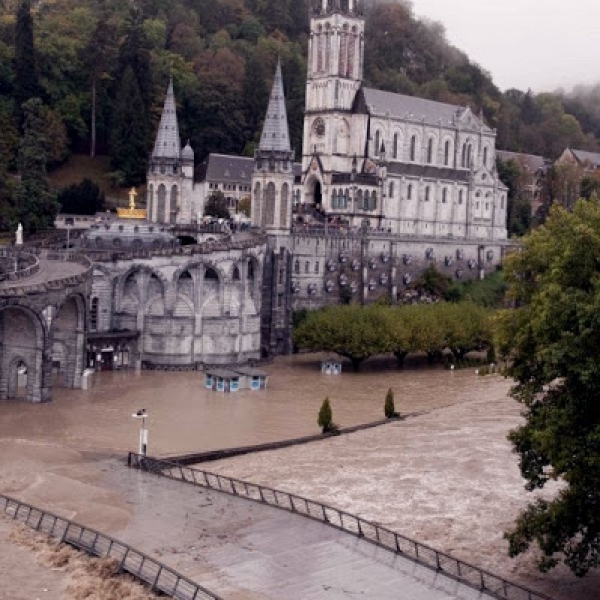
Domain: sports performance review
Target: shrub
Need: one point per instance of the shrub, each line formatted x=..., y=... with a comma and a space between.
x=325, y=420
x=389, y=408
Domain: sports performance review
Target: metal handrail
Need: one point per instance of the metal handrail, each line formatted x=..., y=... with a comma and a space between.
x=459, y=570
x=143, y=567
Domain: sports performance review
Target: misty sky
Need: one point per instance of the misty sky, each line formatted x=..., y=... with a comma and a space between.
x=538, y=44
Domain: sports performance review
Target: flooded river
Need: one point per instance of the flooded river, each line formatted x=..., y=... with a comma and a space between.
x=185, y=417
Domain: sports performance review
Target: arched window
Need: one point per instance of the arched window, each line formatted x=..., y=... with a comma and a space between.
x=250, y=270
x=359, y=200
x=162, y=204
x=460, y=196
x=427, y=193
x=447, y=153
x=236, y=274
x=343, y=199
x=463, y=160
x=283, y=209
x=256, y=206
x=269, y=216
x=391, y=192
x=444, y=196
x=297, y=267
x=485, y=157
x=174, y=201
x=409, y=192
x=374, y=201
x=210, y=275
x=307, y=267
x=430, y=151
x=502, y=202
x=469, y=155
x=395, y=147
x=94, y=314
x=150, y=202
x=377, y=143
x=413, y=148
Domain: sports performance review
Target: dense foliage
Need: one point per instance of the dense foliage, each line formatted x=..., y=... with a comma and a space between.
x=83, y=198
x=101, y=68
x=359, y=333
x=552, y=339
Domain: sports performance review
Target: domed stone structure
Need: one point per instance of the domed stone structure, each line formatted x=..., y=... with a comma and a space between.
x=136, y=234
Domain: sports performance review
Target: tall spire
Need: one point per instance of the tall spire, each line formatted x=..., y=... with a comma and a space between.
x=276, y=133
x=168, y=144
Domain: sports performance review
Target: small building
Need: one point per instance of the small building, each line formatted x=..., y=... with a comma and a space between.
x=331, y=366
x=252, y=379
x=222, y=380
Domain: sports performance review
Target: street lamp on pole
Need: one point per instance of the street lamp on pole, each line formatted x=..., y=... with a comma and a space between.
x=143, y=447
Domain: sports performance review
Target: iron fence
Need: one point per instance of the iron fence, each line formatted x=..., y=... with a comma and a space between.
x=459, y=570
x=158, y=576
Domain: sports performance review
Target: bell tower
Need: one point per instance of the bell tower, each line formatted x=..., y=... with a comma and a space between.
x=335, y=56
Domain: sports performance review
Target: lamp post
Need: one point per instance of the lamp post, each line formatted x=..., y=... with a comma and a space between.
x=143, y=447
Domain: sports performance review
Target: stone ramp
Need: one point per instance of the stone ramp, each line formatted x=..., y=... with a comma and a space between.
x=243, y=550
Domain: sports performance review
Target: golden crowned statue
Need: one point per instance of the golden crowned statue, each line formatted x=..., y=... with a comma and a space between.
x=132, y=212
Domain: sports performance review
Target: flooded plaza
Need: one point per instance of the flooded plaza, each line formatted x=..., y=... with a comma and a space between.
x=446, y=476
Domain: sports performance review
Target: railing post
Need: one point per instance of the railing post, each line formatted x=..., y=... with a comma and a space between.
x=155, y=582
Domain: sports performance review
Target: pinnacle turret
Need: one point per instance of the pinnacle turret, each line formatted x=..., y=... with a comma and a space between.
x=276, y=133
x=168, y=143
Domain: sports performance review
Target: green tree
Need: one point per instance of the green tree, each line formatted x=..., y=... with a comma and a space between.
x=389, y=407
x=36, y=205
x=325, y=420
x=26, y=83
x=84, y=198
x=216, y=206
x=552, y=339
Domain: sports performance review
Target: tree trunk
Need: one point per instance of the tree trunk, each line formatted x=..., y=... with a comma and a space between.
x=93, y=125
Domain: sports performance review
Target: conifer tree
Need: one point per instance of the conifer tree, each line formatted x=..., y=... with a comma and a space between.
x=26, y=84
x=36, y=205
x=325, y=420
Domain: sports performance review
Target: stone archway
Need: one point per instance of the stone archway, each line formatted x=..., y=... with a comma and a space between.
x=68, y=340
x=23, y=342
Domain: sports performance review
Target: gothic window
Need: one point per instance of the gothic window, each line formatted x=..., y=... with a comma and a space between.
x=502, y=202
x=334, y=199
x=317, y=268
x=327, y=60
x=343, y=52
x=430, y=151
x=210, y=275
x=485, y=157
x=320, y=51
x=257, y=205
x=359, y=200
x=374, y=201
x=283, y=209
x=391, y=191
x=413, y=148
x=307, y=267
x=469, y=155
x=447, y=153
x=395, y=148
x=460, y=196
x=463, y=160
x=173, y=210
x=150, y=202
x=236, y=274
x=94, y=315
x=409, y=192
x=427, y=193
x=352, y=53
x=377, y=143
x=444, y=196
x=269, y=216
x=162, y=203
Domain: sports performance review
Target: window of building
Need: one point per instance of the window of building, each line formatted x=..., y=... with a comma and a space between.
x=395, y=149
x=485, y=157
x=444, y=196
x=430, y=151
x=460, y=196
x=334, y=199
x=297, y=267
x=317, y=268
x=391, y=191
x=377, y=143
x=94, y=314
x=409, y=192
x=447, y=153
x=427, y=193
x=413, y=148
x=307, y=267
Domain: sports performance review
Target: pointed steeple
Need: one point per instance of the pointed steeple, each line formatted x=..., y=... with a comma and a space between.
x=168, y=144
x=276, y=133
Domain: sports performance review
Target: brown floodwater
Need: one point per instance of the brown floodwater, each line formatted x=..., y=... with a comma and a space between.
x=185, y=417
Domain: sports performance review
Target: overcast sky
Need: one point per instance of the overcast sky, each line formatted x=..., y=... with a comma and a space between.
x=538, y=44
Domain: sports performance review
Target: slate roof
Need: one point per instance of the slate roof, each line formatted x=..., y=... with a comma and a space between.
x=276, y=133
x=428, y=172
x=589, y=157
x=228, y=168
x=168, y=143
x=531, y=161
x=359, y=179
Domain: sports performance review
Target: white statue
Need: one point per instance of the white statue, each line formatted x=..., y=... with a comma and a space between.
x=19, y=240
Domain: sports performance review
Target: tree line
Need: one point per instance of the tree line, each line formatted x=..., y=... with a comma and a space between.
x=101, y=67
x=358, y=333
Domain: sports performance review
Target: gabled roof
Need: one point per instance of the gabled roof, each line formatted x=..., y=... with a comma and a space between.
x=168, y=143
x=380, y=103
x=533, y=162
x=429, y=172
x=276, y=133
x=588, y=157
x=228, y=168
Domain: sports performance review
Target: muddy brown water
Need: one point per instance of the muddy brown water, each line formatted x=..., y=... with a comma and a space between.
x=185, y=417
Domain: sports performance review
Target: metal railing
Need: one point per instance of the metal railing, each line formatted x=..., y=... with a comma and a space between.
x=458, y=570
x=158, y=576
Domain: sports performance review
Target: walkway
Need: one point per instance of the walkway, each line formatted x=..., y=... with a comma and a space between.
x=50, y=270
x=246, y=551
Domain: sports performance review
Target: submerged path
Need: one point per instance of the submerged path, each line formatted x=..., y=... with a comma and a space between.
x=245, y=551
